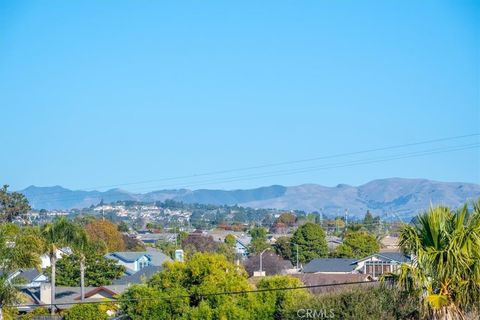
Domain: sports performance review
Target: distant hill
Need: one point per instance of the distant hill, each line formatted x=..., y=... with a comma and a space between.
x=393, y=196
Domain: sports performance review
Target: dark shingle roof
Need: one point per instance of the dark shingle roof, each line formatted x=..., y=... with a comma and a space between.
x=145, y=273
x=30, y=274
x=329, y=265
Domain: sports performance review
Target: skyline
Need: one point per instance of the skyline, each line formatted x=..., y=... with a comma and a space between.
x=96, y=94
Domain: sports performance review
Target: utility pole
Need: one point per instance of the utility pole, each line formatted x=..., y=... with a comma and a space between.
x=321, y=217
x=346, y=218
x=297, y=255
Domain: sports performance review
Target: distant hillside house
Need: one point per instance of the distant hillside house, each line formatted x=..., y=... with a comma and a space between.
x=374, y=265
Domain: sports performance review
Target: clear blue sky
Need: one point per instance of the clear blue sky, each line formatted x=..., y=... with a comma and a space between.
x=96, y=93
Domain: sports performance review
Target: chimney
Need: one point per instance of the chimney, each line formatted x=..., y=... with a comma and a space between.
x=46, y=292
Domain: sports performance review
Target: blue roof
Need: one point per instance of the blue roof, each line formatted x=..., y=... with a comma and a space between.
x=330, y=265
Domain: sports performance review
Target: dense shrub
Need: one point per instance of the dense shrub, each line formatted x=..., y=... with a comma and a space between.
x=86, y=311
x=370, y=303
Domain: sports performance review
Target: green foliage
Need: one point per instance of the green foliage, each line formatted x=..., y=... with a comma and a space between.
x=123, y=226
x=287, y=218
x=184, y=286
x=36, y=312
x=258, y=245
x=12, y=205
x=259, y=240
x=132, y=244
x=19, y=248
x=364, y=303
x=86, y=311
x=99, y=271
x=357, y=244
x=311, y=242
x=62, y=233
x=283, y=247
x=226, y=250
x=166, y=247
x=230, y=240
x=275, y=303
x=446, y=245
x=258, y=233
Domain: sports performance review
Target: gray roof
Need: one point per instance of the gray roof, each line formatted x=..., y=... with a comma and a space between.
x=144, y=274
x=30, y=274
x=389, y=256
x=329, y=265
x=157, y=258
x=66, y=295
x=125, y=256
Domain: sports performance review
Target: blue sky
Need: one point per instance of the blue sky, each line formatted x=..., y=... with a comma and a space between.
x=103, y=93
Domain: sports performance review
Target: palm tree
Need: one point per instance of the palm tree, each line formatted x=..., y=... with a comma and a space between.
x=19, y=248
x=60, y=233
x=445, y=273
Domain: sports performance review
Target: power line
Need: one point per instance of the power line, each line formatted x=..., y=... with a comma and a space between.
x=297, y=170
x=338, y=155
x=201, y=295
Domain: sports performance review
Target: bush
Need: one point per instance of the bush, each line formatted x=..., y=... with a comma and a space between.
x=359, y=303
x=86, y=311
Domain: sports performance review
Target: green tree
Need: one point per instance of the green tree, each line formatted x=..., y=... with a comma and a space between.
x=187, y=287
x=226, y=250
x=446, y=270
x=19, y=248
x=257, y=245
x=368, y=219
x=276, y=302
x=99, y=271
x=86, y=311
x=123, y=227
x=12, y=205
x=357, y=244
x=287, y=218
x=258, y=233
x=283, y=247
x=60, y=233
x=259, y=240
x=311, y=242
x=166, y=247
x=230, y=240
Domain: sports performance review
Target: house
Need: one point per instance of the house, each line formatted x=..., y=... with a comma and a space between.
x=154, y=237
x=380, y=263
x=45, y=259
x=136, y=261
x=65, y=297
x=241, y=243
x=241, y=248
x=374, y=265
x=27, y=278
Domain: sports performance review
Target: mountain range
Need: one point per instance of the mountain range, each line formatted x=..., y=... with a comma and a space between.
x=395, y=196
